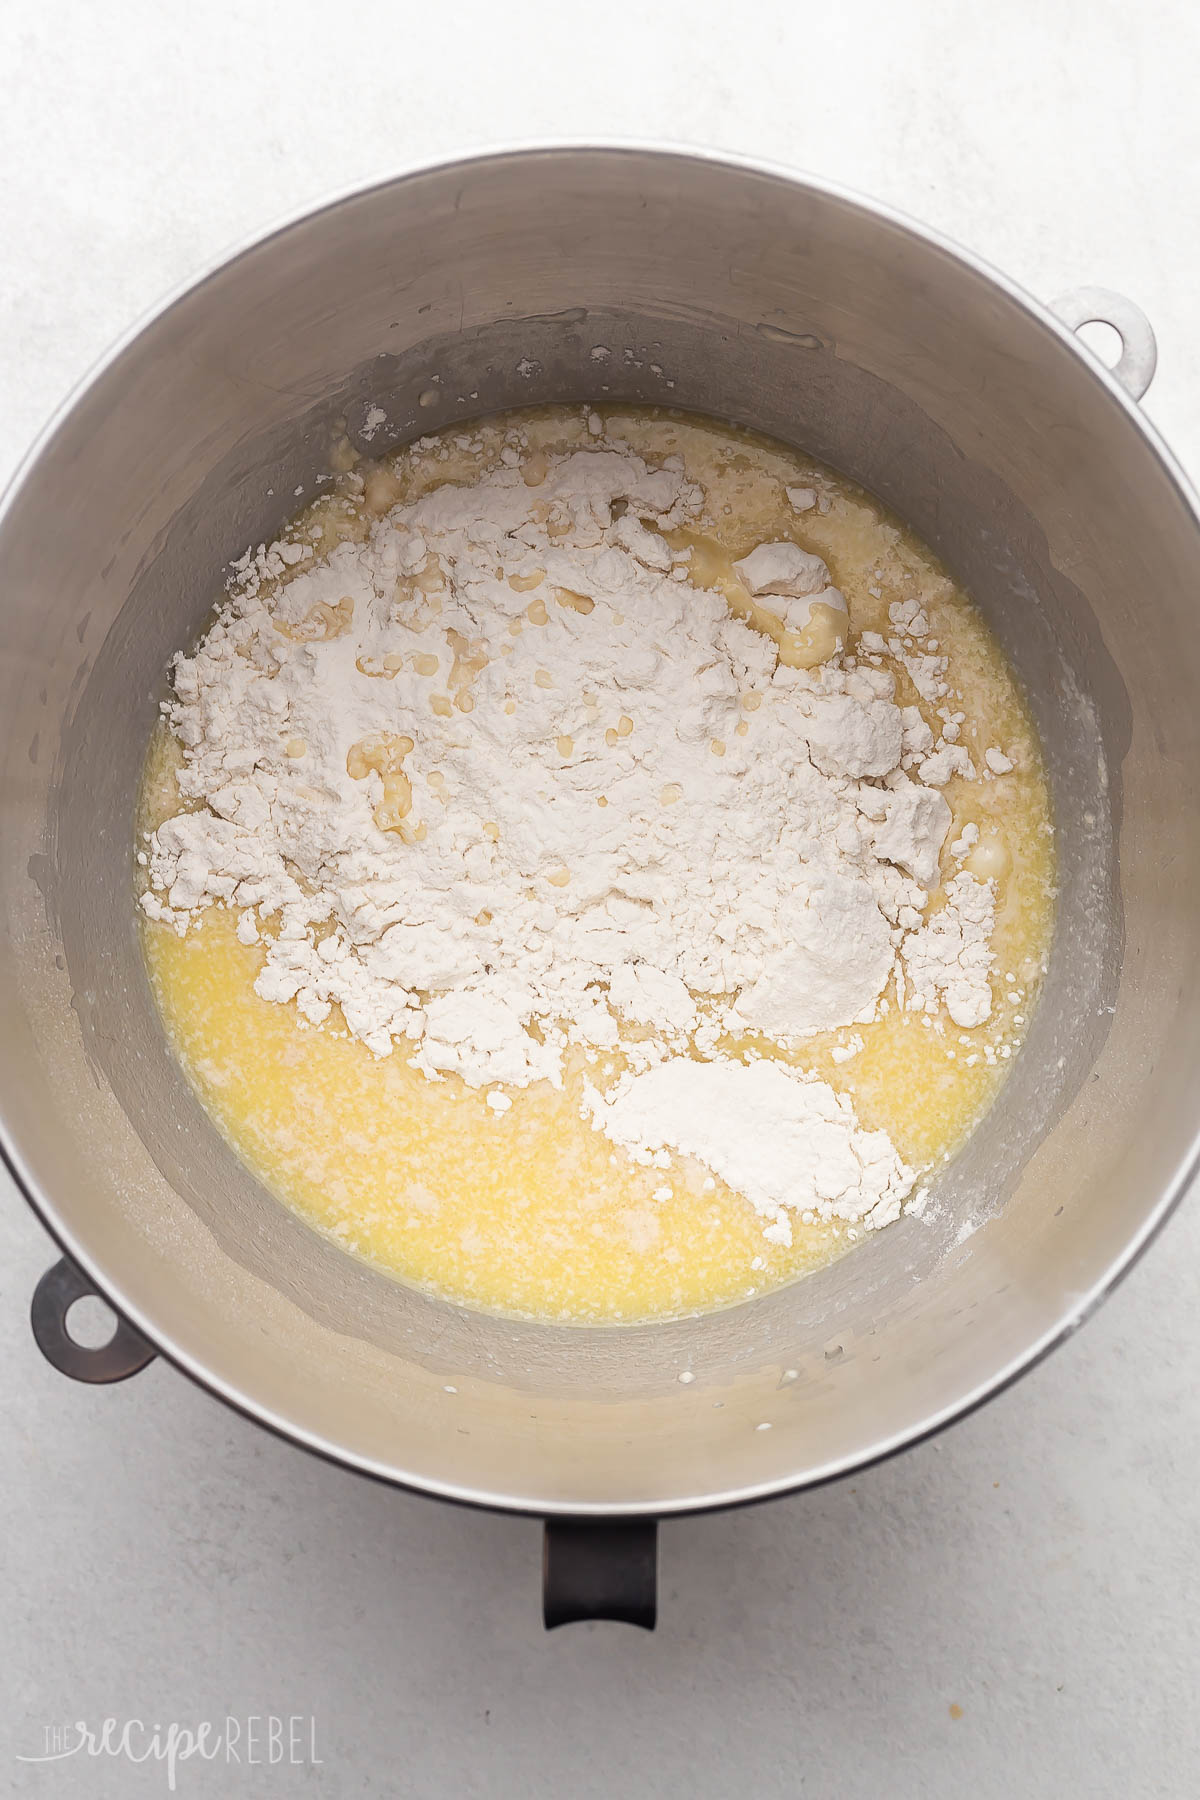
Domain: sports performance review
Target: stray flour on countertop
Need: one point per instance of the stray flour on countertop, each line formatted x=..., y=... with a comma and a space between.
x=500, y=779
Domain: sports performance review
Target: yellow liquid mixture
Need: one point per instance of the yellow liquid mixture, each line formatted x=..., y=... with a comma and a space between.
x=533, y=1212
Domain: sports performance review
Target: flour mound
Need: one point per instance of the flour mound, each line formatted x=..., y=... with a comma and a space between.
x=834, y=958
x=786, y=1141
x=496, y=777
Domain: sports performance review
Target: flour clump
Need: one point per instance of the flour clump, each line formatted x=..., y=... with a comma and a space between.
x=785, y=1140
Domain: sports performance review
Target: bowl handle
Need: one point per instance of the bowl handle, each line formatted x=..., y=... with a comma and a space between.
x=600, y=1569
x=1135, y=366
x=125, y=1353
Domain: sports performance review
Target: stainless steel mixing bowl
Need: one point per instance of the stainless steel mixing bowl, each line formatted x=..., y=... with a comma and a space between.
x=628, y=274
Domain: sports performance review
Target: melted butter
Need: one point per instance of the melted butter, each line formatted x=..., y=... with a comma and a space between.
x=531, y=1211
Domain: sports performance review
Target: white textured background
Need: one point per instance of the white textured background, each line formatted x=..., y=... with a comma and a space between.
x=1037, y=1567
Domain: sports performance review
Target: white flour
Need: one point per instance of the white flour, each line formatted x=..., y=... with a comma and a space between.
x=785, y=1140
x=502, y=780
